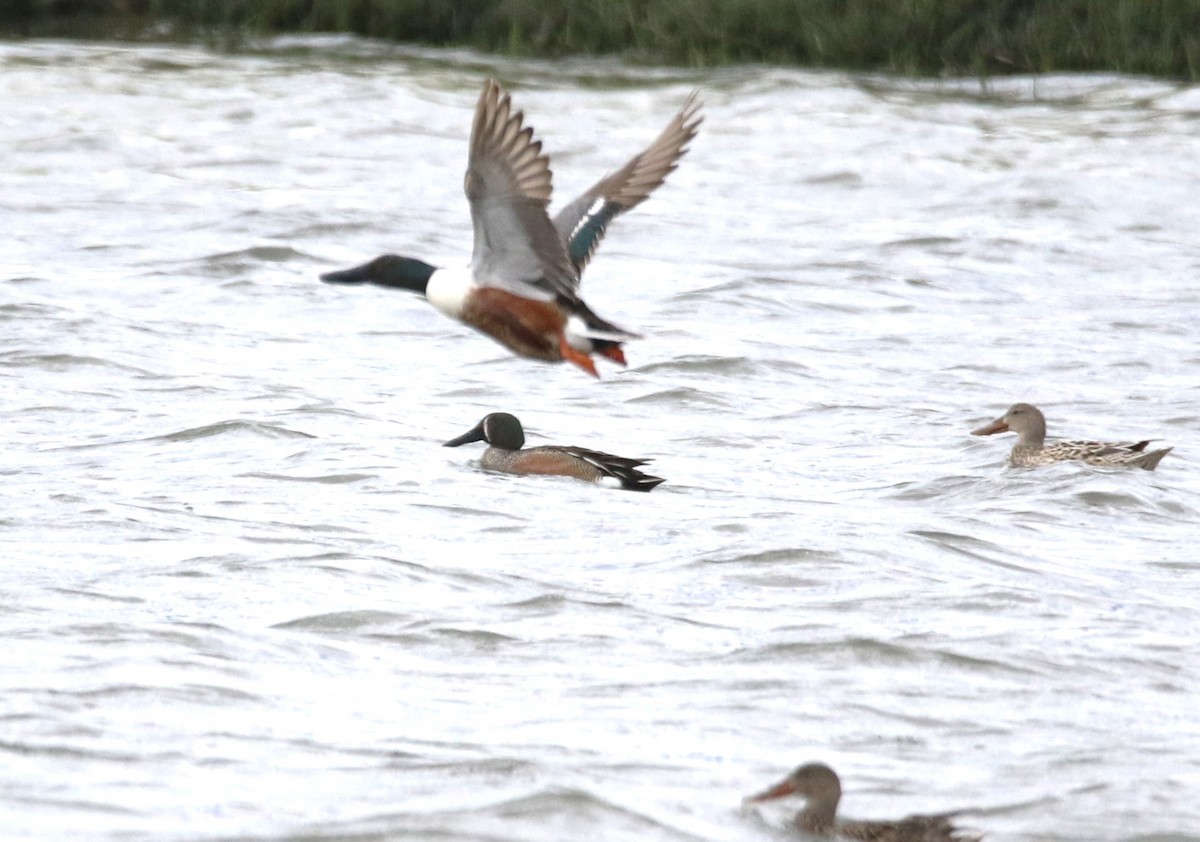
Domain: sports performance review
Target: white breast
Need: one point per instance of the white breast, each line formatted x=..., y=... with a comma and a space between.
x=448, y=288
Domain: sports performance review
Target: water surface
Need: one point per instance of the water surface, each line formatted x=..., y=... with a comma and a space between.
x=247, y=595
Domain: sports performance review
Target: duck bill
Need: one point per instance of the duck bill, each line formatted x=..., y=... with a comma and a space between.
x=357, y=275
x=997, y=426
x=784, y=787
x=474, y=434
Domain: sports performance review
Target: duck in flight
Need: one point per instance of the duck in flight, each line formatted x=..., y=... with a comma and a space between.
x=506, y=438
x=522, y=285
x=1031, y=450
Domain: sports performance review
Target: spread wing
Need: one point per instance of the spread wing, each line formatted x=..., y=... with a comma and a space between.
x=582, y=223
x=508, y=185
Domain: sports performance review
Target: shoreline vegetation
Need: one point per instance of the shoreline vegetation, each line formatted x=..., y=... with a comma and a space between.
x=910, y=37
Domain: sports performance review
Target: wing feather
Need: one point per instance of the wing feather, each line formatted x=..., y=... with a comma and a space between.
x=508, y=185
x=582, y=223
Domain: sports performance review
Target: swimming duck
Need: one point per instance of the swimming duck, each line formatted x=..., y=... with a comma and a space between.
x=1031, y=451
x=505, y=436
x=821, y=789
x=522, y=286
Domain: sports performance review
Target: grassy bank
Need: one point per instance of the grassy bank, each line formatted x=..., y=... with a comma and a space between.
x=1157, y=37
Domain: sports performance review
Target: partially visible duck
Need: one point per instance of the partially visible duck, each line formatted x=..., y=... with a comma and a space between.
x=1031, y=450
x=522, y=286
x=506, y=438
x=820, y=787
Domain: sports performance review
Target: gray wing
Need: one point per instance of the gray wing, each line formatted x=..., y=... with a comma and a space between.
x=508, y=185
x=582, y=223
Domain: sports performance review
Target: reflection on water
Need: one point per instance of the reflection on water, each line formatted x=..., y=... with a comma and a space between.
x=249, y=593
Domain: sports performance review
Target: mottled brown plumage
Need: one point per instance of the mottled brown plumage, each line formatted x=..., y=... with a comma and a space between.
x=822, y=790
x=1031, y=450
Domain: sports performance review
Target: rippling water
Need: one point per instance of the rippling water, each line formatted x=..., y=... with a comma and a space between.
x=247, y=595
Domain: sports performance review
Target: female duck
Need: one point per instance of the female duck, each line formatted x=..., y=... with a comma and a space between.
x=1031, y=450
x=821, y=789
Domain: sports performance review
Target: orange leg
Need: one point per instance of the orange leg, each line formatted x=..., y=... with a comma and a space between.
x=614, y=353
x=580, y=359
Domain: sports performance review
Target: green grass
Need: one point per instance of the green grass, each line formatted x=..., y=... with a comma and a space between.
x=926, y=37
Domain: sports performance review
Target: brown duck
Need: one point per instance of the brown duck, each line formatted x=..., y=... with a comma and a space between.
x=1031, y=450
x=821, y=789
x=504, y=434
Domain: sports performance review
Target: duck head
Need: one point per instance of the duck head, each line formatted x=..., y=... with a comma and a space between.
x=388, y=270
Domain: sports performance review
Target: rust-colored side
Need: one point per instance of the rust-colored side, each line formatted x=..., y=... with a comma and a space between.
x=553, y=462
x=529, y=328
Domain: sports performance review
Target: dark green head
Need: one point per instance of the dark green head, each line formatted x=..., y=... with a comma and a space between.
x=389, y=270
x=499, y=429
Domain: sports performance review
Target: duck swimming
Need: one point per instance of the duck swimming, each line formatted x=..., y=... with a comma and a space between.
x=505, y=438
x=1031, y=451
x=522, y=285
x=821, y=789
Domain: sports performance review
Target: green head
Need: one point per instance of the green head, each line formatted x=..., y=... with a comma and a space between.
x=389, y=270
x=499, y=429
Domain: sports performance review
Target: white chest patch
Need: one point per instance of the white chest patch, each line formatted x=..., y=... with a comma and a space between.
x=448, y=288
